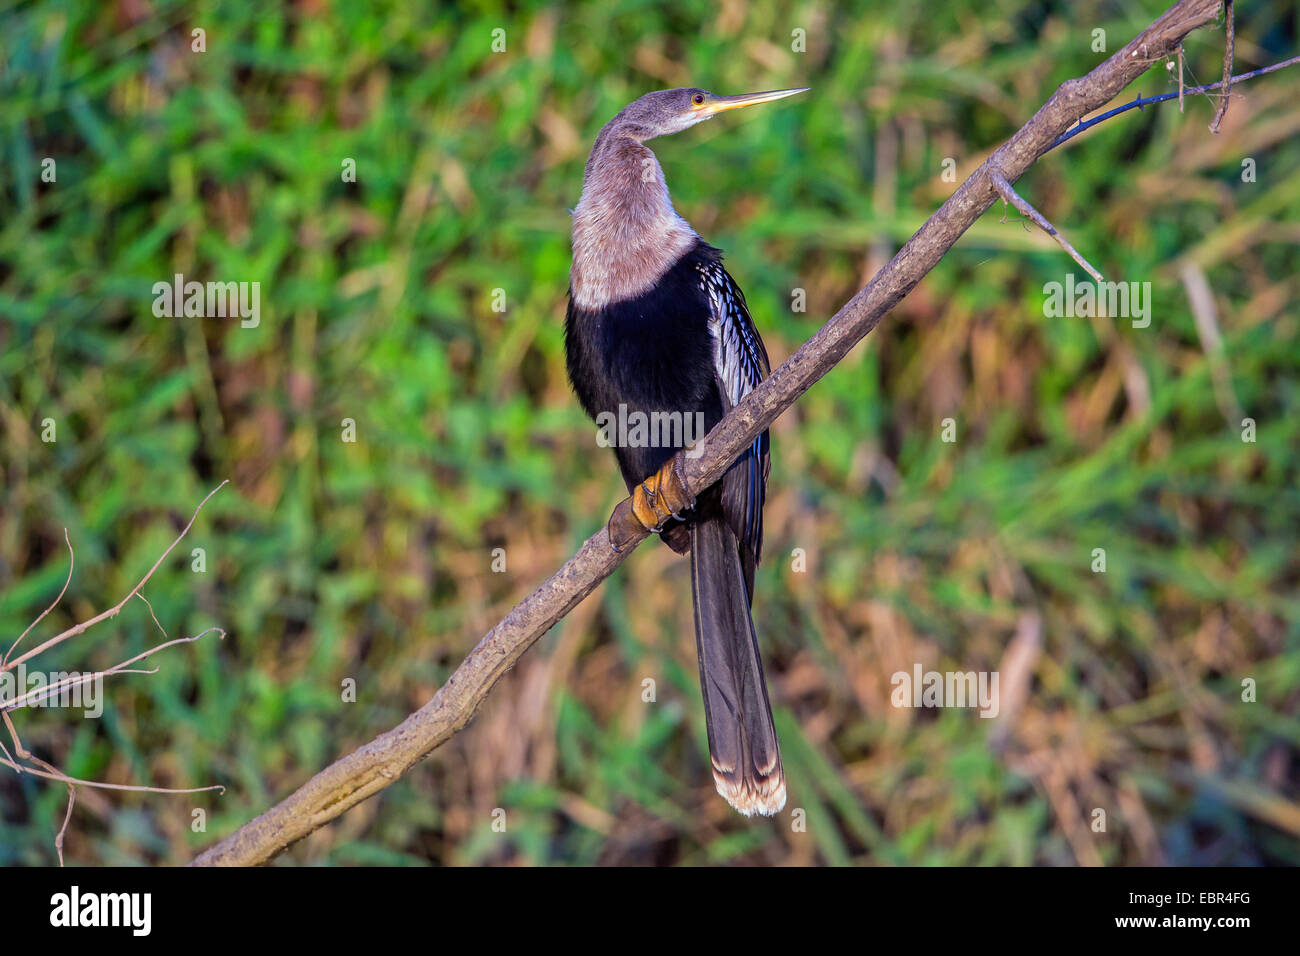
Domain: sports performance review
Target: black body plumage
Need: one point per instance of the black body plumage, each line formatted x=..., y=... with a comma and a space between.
x=652, y=353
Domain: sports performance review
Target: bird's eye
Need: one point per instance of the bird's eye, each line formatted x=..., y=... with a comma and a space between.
x=698, y=99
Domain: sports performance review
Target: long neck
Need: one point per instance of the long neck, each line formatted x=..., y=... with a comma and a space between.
x=626, y=234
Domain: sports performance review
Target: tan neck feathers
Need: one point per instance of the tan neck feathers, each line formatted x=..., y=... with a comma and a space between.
x=626, y=234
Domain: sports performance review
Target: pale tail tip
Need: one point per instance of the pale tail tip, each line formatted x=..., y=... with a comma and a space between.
x=750, y=797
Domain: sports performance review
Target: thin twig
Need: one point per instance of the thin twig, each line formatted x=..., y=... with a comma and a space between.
x=1227, y=67
x=67, y=814
x=99, y=785
x=15, y=761
x=152, y=614
x=1144, y=101
x=1008, y=194
x=113, y=611
x=1181, y=62
x=54, y=773
x=72, y=799
x=67, y=817
x=39, y=694
x=119, y=668
x=72, y=560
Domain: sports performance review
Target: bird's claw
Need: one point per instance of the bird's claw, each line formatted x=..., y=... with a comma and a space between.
x=653, y=502
x=609, y=530
x=661, y=496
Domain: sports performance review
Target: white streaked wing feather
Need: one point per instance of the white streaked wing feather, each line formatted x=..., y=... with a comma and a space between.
x=737, y=354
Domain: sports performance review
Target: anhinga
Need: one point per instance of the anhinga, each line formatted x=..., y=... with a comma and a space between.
x=657, y=325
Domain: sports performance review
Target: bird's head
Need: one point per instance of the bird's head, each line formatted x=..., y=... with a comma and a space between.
x=671, y=111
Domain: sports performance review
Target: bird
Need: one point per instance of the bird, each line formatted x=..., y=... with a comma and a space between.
x=656, y=325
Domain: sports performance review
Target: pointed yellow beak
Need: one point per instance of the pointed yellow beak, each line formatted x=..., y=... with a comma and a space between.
x=719, y=104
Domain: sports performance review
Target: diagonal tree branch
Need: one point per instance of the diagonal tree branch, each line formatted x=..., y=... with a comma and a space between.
x=374, y=766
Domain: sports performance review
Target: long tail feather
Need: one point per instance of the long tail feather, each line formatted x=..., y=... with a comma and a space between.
x=742, y=738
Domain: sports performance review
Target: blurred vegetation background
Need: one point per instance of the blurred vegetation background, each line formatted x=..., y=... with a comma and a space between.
x=372, y=560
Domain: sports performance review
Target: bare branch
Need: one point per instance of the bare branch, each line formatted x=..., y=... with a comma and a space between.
x=99, y=785
x=112, y=611
x=1010, y=195
x=34, y=697
x=1228, y=45
x=72, y=560
x=1142, y=102
x=40, y=693
x=1181, y=64
x=153, y=615
x=374, y=766
x=67, y=816
x=20, y=752
x=23, y=760
x=50, y=772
